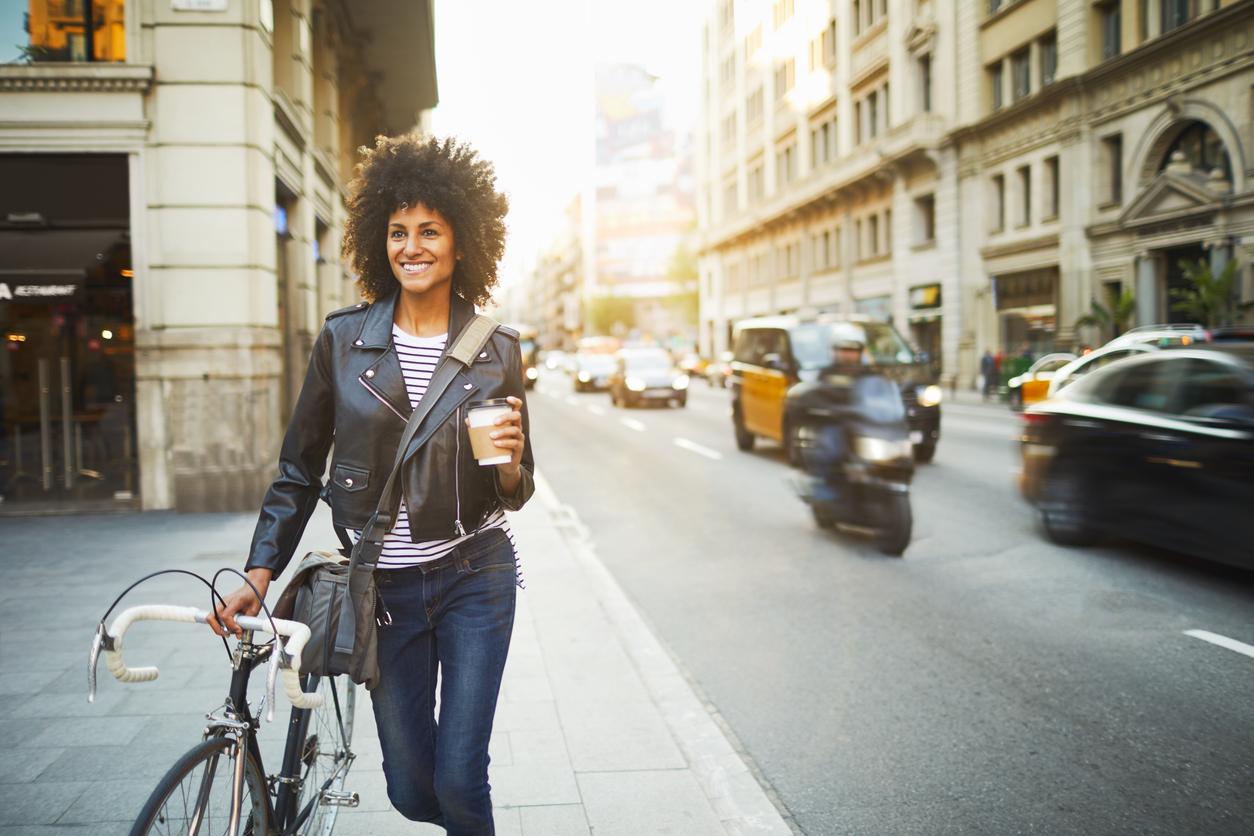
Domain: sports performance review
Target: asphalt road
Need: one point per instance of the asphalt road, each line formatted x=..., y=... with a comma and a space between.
x=988, y=682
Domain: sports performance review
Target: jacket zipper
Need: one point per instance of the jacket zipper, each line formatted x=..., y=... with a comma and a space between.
x=458, y=528
x=381, y=399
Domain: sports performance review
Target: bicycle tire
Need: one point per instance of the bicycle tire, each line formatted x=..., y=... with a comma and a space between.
x=152, y=821
x=327, y=753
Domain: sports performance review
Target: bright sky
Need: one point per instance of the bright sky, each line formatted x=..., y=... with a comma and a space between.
x=516, y=82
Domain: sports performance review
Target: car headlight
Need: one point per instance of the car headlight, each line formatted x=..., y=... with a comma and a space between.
x=881, y=449
x=635, y=384
x=532, y=373
x=929, y=395
x=680, y=382
x=584, y=377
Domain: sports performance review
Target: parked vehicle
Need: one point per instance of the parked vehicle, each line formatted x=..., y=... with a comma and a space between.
x=867, y=481
x=1033, y=385
x=1078, y=368
x=647, y=375
x=773, y=354
x=1137, y=341
x=1164, y=334
x=1157, y=448
x=591, y=372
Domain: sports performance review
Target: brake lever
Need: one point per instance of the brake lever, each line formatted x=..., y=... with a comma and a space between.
x=101, y=641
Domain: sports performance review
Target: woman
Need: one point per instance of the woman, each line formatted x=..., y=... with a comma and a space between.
x=425, y=232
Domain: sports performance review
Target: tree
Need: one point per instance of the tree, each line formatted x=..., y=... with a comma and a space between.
x=1209, y=298
x=1113, y=320
x=610, y=315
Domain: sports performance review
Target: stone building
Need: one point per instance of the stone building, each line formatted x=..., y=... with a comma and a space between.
x=175, y=177
x=980, y=172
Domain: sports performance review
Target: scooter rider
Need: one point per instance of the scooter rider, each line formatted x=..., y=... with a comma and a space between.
x=831, y=442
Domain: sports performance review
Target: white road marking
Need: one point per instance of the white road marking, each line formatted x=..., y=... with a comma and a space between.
x=633, y=424
x=1223, y=641
x=693, y=447
x=595, y=410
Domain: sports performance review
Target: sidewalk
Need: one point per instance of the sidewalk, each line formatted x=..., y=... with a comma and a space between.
x=597, y=730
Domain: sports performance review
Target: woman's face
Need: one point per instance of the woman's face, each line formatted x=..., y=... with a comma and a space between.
x=421, y=249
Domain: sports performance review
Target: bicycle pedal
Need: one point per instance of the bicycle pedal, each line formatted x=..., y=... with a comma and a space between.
x=331, y=798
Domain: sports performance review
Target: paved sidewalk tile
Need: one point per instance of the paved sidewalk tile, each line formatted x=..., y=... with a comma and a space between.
x=596, y=729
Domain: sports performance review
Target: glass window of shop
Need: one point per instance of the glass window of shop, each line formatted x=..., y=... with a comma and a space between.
x=67, y=357
x=1027, y=308
x=63, y=31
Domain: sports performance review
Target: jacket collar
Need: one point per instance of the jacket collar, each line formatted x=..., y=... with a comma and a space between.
x=376, y=329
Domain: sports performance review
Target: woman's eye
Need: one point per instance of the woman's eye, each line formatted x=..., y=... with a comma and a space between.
x=397, y=234
x=430, y=233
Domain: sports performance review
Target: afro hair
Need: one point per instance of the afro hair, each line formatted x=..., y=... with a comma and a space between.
x=444, y=175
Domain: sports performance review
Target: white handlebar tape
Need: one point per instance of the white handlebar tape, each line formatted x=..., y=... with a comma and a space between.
x=297, y=633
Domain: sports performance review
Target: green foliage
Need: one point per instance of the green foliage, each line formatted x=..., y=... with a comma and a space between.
x=1210, y=299
x=1113, y=320
x=610, y=315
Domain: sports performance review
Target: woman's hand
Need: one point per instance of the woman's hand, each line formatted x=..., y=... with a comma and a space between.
x=508, y=435
x=242, y=601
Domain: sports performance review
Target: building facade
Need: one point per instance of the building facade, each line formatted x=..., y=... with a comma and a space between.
x=979, y=172
x=175, y=178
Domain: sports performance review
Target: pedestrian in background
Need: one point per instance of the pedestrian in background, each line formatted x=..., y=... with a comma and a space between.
x=425, y=233
x=988, y=373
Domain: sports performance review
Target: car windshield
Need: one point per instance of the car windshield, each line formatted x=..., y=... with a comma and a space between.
x=812, y=343
x=647, y=361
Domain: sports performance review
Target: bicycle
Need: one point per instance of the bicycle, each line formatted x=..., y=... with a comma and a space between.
x=197, y=796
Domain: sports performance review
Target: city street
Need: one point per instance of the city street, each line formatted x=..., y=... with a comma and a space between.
x=989, y=682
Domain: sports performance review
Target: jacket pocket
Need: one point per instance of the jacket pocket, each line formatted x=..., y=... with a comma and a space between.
x=351, y=479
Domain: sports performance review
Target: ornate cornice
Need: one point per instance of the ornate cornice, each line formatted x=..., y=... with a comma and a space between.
x=105, y=78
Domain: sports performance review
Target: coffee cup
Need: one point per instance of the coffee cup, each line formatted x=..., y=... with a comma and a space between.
x=482, y=417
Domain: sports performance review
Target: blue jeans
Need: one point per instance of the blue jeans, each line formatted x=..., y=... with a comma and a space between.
x=455, y=616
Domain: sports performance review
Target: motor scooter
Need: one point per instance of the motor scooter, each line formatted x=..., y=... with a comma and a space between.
x=857, y=455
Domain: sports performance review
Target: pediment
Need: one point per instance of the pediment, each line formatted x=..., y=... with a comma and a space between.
x=1169, y=196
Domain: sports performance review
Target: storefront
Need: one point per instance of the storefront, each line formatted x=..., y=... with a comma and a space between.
x=1027, y=311
x=67, y=371
x=925, y=321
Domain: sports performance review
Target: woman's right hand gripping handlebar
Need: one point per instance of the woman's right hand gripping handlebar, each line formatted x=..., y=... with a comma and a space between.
x=242, y=601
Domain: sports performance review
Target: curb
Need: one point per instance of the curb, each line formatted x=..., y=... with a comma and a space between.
x=739, y=794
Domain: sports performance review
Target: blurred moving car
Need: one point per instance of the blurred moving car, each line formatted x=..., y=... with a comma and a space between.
x=1164, y=334
x=718, y=372
x=1078, y=368
x=591, y=372
x=1033, y=385
x=527, y=335
x=1136, y=341
x=693, y=364
x=647, y=375
x=773, y=354
x=556, y=360
x=1157, y=448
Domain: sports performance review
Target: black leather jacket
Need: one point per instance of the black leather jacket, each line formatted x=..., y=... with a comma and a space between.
x=354, y=394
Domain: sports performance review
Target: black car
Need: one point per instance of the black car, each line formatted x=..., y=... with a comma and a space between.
x=1157, y=448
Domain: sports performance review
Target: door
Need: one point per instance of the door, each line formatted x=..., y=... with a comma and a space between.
x=762, y=387
x=67, y=378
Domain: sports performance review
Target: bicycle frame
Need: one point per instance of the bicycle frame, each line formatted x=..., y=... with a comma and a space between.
x=239, y=722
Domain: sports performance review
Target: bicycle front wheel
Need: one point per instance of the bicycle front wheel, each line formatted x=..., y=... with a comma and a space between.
x=198, y=789
x=326, y=754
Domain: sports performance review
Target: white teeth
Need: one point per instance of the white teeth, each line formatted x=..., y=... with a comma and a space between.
x=414, y=268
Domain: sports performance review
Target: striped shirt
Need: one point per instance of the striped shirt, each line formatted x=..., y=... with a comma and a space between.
x=418, y=357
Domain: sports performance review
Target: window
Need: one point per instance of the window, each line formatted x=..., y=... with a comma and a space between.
x=823, y=143
x=873, y=232
x=65, y=31
x=1020, y=74
x=867, y=13
x=1112, y=28
x=999, y=203
x=859, y=243
x=888, y=114
x=873, y=114
x=785, y=74
x=925, y=219
x=757, y=182
x=1206, y=386
x=994, y=5
x=785, y=164
x=1138, y=386
x=1048, y=46
x=1025, y=195
x=730, y=198
x=888, y=230
x=1114, y=165
x=727, y=71
x=754, y=106
x=1176, y=13
x=783, y=12
x=925, y=83
x=1202, y=149
x=828, y=39
x=1053, y=182
x=996, y=86
x=753, y=42
x=729, y=129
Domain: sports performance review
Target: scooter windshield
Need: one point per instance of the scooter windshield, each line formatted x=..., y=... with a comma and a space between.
x=877, y=399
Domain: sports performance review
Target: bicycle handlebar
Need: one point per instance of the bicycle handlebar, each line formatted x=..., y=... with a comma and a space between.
x=285, y=658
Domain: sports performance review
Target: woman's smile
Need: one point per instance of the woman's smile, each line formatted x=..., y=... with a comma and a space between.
x=421, y=249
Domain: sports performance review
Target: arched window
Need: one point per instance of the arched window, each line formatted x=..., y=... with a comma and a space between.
x=1203, y=149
